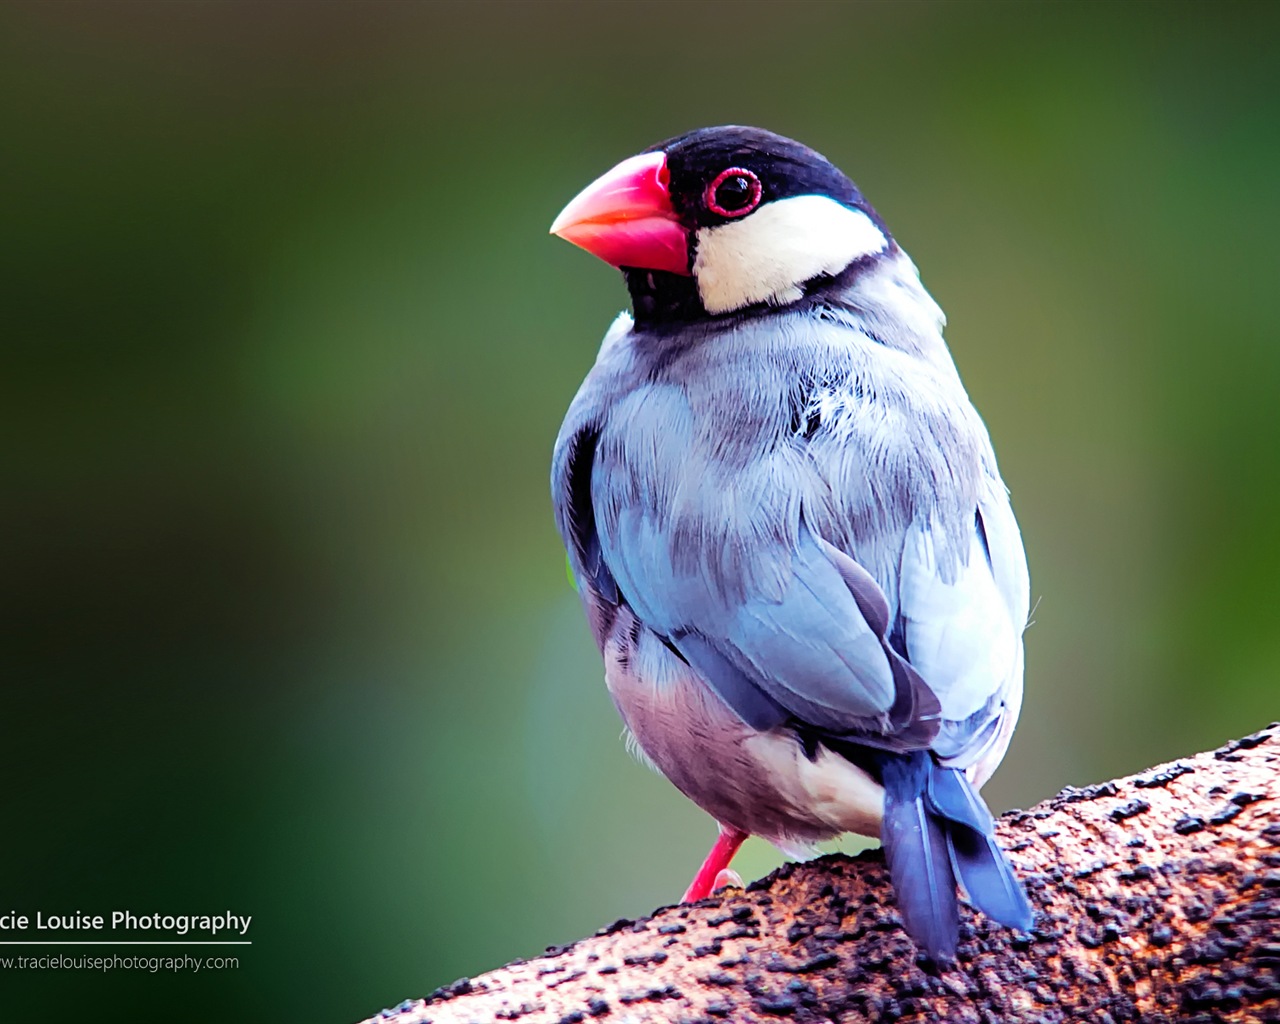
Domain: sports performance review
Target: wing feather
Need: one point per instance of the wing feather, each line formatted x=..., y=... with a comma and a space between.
x=731, y=545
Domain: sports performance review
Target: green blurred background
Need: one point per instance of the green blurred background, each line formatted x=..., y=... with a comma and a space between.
x=287, y=630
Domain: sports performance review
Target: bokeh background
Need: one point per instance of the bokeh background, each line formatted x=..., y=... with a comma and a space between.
x=286, y=344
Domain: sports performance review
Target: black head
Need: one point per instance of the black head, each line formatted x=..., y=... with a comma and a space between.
x=782, y=168
x=723, y=219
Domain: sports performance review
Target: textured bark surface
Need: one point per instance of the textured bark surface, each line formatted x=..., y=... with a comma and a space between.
x=1158, y=899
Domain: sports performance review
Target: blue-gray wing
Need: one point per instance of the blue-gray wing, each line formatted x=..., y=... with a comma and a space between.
x=712, y=551
x=962, y=623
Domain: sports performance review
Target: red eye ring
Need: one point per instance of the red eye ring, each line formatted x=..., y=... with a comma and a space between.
x=753, y=198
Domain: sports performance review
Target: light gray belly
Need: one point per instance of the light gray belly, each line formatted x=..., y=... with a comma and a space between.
x=760, y=782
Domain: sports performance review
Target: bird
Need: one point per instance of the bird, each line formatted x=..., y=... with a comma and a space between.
x=786, y=524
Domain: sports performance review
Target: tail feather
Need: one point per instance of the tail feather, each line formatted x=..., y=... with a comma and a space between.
x=916, y=848
x=951, y=796
x=988, y=878
x=936, y=831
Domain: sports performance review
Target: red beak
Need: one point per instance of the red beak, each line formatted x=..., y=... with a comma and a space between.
x=625, y=217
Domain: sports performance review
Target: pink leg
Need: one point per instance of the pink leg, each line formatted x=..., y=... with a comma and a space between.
x=717, y=860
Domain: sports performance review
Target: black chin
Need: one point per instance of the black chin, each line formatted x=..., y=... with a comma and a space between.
x=658, y=296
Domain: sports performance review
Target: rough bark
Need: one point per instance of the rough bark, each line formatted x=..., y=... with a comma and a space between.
x=1158, y=899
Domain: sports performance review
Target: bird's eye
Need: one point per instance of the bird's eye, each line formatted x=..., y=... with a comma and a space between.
x=733, y=192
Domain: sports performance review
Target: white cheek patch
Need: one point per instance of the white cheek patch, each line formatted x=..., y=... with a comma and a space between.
x=767, y=255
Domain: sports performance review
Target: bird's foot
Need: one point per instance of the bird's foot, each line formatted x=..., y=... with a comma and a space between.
x=715, y=872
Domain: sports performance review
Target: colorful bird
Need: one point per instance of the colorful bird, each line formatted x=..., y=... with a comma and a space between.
x=786, y=523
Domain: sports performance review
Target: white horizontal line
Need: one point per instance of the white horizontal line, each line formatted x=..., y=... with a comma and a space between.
x=142, y=943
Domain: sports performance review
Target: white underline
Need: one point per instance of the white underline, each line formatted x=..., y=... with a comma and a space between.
x=142, y=943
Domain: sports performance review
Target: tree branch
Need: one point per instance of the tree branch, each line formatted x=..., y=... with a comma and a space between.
x=1158, y=899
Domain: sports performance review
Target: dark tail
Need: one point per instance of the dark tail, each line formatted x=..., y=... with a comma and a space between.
x=937, y=831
